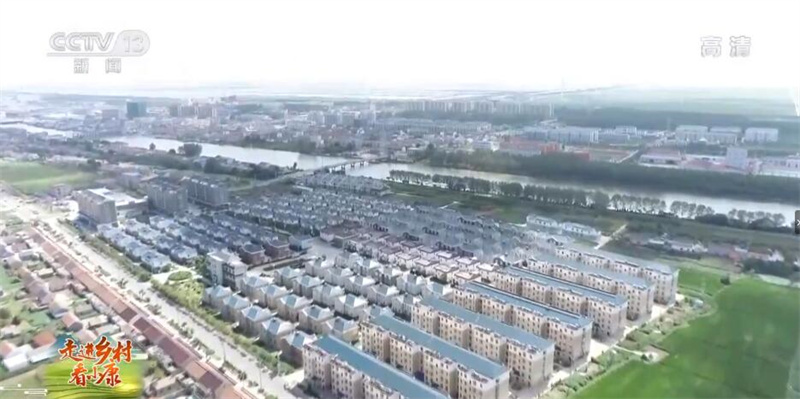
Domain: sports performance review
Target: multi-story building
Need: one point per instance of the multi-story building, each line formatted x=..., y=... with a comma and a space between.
x=663, y=278
x=722, y=135
x=136, y=109
x=570, y=332
x=167, y=198
x=637, y=291
x=364, y=376
x=101, y=205
x=476, y=377
x=206, y=192
x=528, y=356
x=392, y=348
x=226, y=269
x=606, y=310
x=760, y=135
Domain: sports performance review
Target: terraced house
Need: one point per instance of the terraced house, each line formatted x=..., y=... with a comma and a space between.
x=606, y=310
x=570, y=332
x=528, y=356
x=638, y=293
x=447, y=367
x=334, y=367
x=663, y=278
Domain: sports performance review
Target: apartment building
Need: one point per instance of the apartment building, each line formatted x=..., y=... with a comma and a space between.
x=570, y=332
x=167, y=198
x=475, y=376
x=364, y=376
x=206, y=192
x=101, y=205
x=638, y=293
x=227, y=269
x=607, y=311
x=528, y=356
x=663, y=278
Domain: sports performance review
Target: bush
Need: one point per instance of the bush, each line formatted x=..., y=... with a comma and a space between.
x=180, y=275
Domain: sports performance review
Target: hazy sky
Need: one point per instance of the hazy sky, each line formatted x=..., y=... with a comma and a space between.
x=408, y=43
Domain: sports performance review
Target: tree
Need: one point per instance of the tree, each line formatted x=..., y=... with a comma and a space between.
x=191, y=150
x=152, y=146
x=5, y=314
x=171, y=151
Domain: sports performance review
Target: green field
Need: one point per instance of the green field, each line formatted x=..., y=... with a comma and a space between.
x=33, y=178
x=743, y=350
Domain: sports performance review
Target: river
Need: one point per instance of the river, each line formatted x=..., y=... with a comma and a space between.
x=381, y=171
x=244, y=154
x=36, y=129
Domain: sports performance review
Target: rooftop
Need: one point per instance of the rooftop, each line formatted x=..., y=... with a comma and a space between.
x=480, y=364
x=478, y=319
x=403, y=383
x=615, y=256
x=633, y=280
x=516, y=300
x=566, y=285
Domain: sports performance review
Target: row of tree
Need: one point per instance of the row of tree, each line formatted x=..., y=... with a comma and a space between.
x=553, y=195
x=569, y=167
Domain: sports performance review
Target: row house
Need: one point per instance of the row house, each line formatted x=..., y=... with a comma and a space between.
x=570, y=332
x=528, y=356
x=607, y=311
x=639, y=294
x=663, y=278
x=377, y=379
x=475, y=376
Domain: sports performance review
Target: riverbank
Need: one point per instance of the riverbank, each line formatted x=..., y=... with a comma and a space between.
x=514, y=210
x=382, y=170
x=569, y=167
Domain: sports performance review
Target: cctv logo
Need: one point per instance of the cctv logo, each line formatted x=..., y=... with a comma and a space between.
x=128, y=43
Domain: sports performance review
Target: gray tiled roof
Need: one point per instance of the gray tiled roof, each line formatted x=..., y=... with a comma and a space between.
x=480, y=364
x=516, y=300
x=478, y=319
x=563, y=284
x=403, y=383
x=660, y=267
x=633, y=280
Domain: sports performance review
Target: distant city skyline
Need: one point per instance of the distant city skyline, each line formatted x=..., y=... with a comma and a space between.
x=396, y=46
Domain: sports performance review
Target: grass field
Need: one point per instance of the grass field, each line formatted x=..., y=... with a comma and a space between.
x=33, y=178
x=743, y=350
x=512, y=210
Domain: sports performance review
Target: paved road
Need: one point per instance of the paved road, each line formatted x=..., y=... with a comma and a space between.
x=205, y=334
